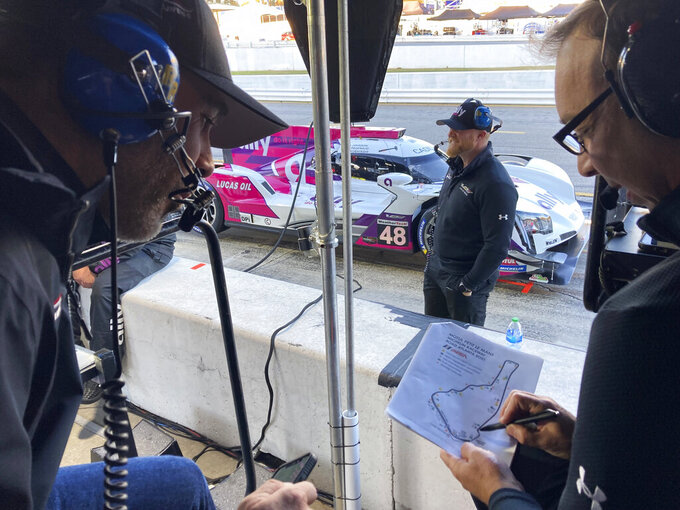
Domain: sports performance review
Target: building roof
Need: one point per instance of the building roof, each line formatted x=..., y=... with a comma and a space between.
x=559, y=10
x=452, y=14
x=512, y=12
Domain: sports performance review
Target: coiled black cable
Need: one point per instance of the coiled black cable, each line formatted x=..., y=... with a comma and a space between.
x=115, y=460
x=119, y=443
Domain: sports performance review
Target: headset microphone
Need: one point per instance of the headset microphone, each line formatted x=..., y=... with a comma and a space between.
x=609, y=197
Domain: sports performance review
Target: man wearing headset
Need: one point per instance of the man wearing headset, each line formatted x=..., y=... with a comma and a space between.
x=52, y=200
x=475, y=218
x=617, y=90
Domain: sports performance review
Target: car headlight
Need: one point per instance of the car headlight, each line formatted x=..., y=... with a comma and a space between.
x=536, y=224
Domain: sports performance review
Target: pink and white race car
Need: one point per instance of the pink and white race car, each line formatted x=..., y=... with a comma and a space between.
x=395, y=184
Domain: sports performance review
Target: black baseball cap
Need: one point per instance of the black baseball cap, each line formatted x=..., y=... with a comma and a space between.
x=190, y=29
x=464, y=116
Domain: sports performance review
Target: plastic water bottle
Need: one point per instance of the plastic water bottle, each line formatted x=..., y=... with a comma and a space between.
x=514, y=333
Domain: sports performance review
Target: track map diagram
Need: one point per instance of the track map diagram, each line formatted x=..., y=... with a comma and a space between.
x=456, y=383
x=486, y=396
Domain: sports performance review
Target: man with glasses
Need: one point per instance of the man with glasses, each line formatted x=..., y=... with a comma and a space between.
x=618, y=91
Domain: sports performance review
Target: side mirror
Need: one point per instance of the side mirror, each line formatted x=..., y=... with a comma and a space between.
x=390, y=180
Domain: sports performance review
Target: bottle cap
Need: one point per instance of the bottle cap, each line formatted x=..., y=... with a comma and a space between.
x=515, y=319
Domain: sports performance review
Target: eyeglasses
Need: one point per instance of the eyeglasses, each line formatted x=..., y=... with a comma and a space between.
x=567, y=136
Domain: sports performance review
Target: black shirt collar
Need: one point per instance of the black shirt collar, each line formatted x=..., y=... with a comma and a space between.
x=663, y=223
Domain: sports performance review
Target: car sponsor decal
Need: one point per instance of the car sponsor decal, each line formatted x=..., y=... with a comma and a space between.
x=242, y=186
x=510, y=265
x=240, y=190
x=547, y=200
x=233, y=213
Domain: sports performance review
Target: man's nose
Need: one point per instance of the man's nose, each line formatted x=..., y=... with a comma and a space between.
x=205, y=161
x=585, y=165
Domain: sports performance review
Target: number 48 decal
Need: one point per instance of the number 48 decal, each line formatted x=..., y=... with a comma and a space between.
x=393, y=236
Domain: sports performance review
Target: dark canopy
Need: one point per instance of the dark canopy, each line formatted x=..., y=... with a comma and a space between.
x=504, y=13
x=450, y=14
x=559, y=10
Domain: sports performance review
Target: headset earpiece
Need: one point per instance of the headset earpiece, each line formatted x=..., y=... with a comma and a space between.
x=483, y=118
x=102, y=90
x=649, y=74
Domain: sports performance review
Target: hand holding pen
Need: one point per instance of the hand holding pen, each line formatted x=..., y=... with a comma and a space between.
x=553, y=435
x=528, y=421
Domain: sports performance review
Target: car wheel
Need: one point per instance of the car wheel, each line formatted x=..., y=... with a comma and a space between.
x=214, y=213
x=425, y=233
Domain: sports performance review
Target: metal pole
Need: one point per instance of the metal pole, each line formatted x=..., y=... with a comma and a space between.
x=352, y=492
x=347, y=241
x=316, y=23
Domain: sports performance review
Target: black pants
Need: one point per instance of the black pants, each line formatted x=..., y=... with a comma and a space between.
x=443, y=299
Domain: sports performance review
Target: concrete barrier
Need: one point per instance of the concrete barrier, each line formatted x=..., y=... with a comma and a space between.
x=175, y=367
x=494, y=87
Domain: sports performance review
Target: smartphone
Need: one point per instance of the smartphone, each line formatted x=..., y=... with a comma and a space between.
x=296, y=470
x=648, y=244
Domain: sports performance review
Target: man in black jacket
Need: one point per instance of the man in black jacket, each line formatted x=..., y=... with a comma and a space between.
x=57, y=57
x=475, y=218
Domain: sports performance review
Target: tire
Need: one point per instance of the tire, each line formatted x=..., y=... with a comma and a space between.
x=425, y=234
x=214, y=213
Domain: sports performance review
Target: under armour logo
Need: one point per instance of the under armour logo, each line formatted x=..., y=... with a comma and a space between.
x=596, y=496
x=502, y=216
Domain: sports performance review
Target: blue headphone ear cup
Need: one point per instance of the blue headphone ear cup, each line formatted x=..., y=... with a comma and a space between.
x=100, y=88
x=650, y=77
x=482, y=118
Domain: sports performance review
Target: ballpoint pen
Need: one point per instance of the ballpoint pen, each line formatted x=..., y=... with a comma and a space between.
x=533, y=418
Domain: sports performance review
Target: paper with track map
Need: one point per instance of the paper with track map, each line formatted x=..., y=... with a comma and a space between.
x=456, y=384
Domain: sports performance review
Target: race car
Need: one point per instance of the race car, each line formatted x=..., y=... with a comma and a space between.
x=395, y=184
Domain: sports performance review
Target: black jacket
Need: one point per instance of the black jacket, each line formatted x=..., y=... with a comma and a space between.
x=626, y=450
x=475, y=218
x=43, y=223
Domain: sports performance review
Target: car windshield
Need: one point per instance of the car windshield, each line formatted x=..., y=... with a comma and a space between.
x=427, y=169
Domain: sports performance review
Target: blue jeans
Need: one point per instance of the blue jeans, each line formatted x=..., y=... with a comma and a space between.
x=154, y=483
